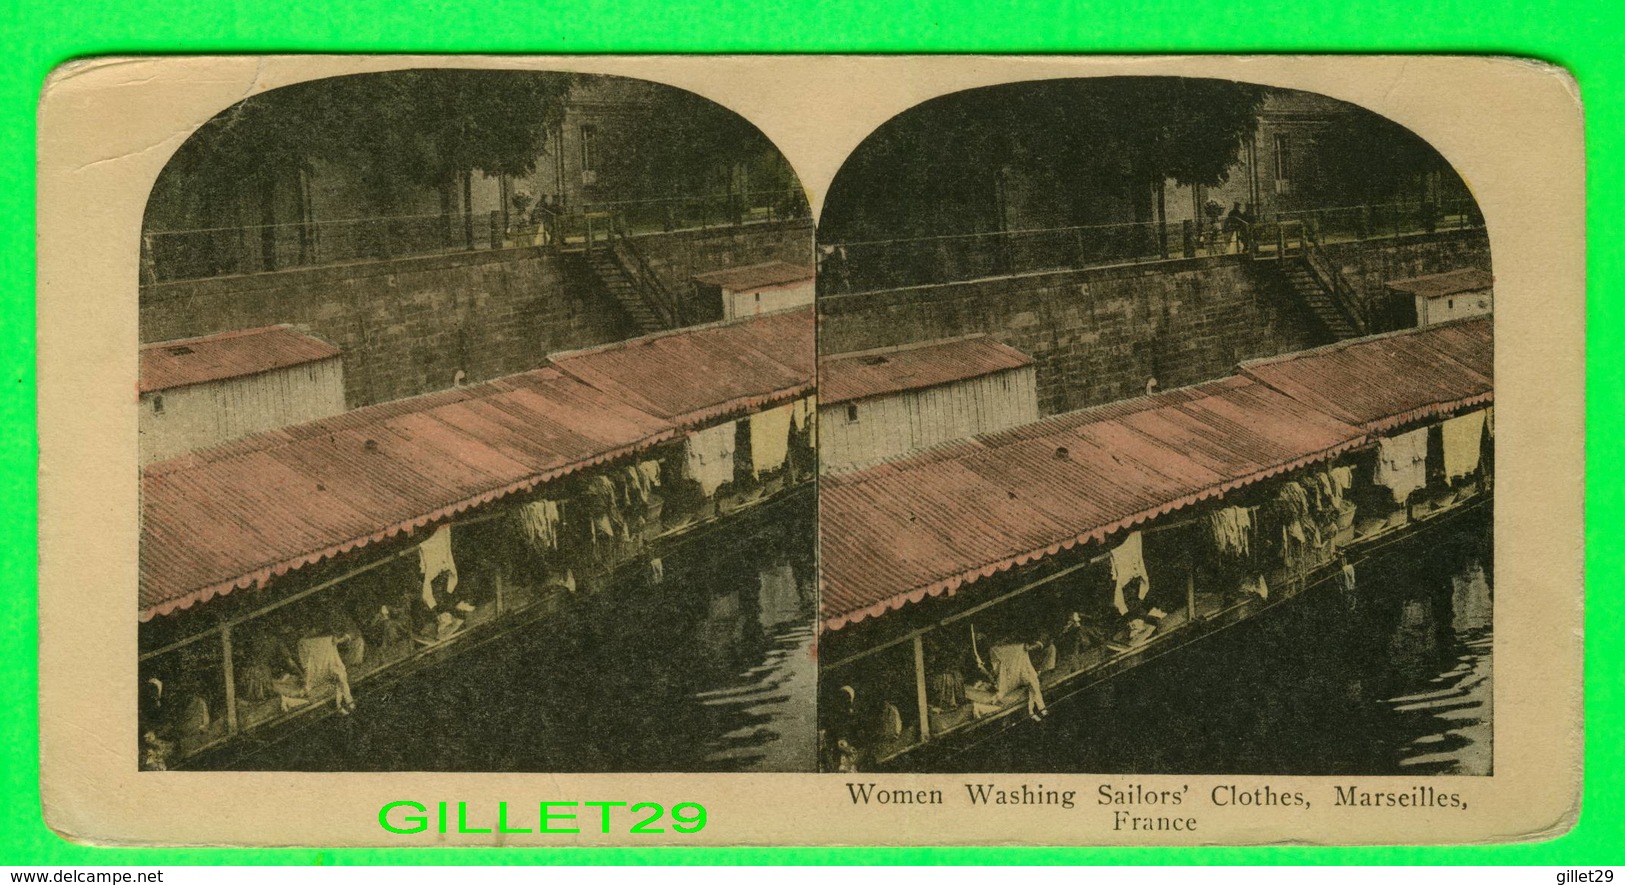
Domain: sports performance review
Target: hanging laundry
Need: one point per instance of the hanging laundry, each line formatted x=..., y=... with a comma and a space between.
x=710, y=459
x=434, y=556
x=634, y=493
x=1331, y=495
x=1128, y=563
x=650, y=472
x=1294, y=500
x=1463, y=438
x=1402, y=463
x=770, y=439
x=1232, y=529
x=539, y=521
x=1342, y=478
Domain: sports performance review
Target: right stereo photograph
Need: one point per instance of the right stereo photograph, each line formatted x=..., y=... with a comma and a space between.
x=1156, y=436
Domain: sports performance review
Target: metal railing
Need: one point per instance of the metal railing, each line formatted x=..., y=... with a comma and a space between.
x=1336, y=286
x=872, y=265
x=635, y=267
x=170, y=255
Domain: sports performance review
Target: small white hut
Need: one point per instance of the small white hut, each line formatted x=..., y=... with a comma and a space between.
x=756, y=288
x=200, y=392
x=880, y=404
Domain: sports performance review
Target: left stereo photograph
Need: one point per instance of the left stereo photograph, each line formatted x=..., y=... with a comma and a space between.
x=476, y=433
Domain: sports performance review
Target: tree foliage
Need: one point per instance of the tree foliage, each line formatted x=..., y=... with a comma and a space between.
x=396, y=129
x=936, y=168
x=687, y=145
x=1374, y=160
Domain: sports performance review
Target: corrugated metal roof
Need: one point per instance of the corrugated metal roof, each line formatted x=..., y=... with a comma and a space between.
x=166, y=365
x=1387, y=380
x=243, y=512
x=929, y=524
x=697, y=375
x=756, y=276
x=1448, y=283
x=851, y=376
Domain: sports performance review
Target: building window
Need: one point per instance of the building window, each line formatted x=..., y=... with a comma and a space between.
x=1283, y=165
x=851, y=413
x=158, y=404
x=589, y=148
x=1450, y=304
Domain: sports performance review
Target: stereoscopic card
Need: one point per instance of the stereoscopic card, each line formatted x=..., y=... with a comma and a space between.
x=810, y=450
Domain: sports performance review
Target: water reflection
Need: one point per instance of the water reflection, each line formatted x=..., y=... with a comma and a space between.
x=1394, y=678
x=700, y=663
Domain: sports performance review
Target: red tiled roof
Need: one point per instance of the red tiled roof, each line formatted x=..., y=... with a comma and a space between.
x=169, y=364
x=927, y=525
x=756, y=276
x=1387, y=380
x=243, y=512
x=1448, y=283
x=850, y=376
x=697, y=375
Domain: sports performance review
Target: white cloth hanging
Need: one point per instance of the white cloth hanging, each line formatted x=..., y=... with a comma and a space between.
x=711, y=457
x=650, y=472
x=770, y=438
x=1342, y=478
x=434, y=555
x=1462, y=439
x=1128, y=563
x=1402, y=463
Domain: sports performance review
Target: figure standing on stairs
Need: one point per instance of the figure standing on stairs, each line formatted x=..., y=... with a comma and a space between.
x=1232, y=228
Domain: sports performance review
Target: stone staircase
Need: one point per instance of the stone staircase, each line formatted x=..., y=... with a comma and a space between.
x=626, y=294
x=1320, y=303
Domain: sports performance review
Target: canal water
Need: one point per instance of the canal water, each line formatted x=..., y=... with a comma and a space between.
x=1393, y=679
x=710, y=669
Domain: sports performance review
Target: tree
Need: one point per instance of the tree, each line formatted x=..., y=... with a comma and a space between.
x=1084, y=135
x=1187, y=130
x=395, y=130
x=1377, y=160
x=684, y=145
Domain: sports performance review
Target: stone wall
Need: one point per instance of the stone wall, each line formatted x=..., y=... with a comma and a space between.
x=408, y=326
x=677, y=257
x=1370, y=264
x=1098, y=334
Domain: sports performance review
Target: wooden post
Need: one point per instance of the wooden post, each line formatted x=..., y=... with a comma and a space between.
x=919, y=688
x=231, y=679
x=1190, y=590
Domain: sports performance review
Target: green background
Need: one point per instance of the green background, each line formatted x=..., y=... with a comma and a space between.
x=1588, y=38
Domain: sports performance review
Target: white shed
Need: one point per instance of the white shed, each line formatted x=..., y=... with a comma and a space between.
x=757, y=288
x=1442, y=297
x=881, y=404
x=200, y=392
